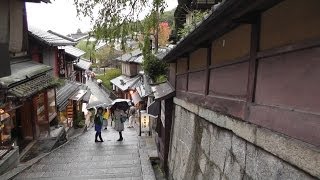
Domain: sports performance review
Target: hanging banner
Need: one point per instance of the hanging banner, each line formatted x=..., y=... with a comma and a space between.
x=62, y=67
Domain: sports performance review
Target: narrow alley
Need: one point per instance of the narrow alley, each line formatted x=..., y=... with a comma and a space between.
x=82, y=158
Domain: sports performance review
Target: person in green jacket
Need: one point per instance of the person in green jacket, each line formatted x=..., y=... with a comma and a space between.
x=98, y=121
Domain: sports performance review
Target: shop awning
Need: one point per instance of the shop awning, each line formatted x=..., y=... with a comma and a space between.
x=162, y=91
x=78, y=96
x=83, y=64
x=65, y=92
x=72, y=51
x=31, y=87
x=86, y=97
x=125, y=83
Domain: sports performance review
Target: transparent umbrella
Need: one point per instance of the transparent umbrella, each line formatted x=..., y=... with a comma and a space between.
x=94, y=102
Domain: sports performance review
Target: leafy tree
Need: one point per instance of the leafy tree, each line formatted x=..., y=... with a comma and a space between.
x=120, y=20
x=106, y=55
x=197, y=16
x=164, y=33
x=155, y=68
x=110, y=74
x=168, y=16
x=89, y=48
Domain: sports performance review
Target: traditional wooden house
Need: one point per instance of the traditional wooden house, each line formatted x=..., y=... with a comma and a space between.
x=72, y=56
x=125, y=85
x=247, y=84
x=81, y=67
x=44, y=48
x=26, y=86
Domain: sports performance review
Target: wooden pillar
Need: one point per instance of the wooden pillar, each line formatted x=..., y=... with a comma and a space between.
x=208, y=70
x=4, y=39
x=253, y=62
x=188, y=68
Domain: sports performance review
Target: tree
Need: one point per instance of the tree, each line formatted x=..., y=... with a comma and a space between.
x=120, y=19
x=164, y=33
x=168, y=16
x=89, y=48
x=106, y=55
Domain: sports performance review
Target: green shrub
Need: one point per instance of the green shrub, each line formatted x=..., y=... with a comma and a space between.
x=110, y=74
x=155, y=68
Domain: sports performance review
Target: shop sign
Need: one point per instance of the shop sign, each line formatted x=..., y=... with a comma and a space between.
x=62, y=68
x=145, y=122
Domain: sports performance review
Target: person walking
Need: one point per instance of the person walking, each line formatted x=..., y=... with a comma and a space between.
x=119, y=118
x=106, y=116
x=98, y=121
x=132, y=112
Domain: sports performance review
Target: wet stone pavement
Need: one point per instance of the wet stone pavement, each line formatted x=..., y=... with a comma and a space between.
x=82, y=158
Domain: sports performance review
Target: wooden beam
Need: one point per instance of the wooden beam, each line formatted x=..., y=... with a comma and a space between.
x=209, y=49
x=255, y=38
x=188, y=64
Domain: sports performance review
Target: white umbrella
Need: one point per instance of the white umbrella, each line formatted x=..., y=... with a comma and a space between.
x=93, y=102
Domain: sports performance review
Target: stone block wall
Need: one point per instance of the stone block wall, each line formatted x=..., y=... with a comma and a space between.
x=202, y=149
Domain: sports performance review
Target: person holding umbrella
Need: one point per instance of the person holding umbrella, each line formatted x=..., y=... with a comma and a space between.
x=118, y=109
x=98, y=121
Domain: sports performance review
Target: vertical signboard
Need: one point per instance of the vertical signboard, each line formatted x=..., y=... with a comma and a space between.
x=62, y=67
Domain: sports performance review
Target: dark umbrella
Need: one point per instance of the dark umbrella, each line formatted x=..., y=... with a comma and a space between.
x=123, y=104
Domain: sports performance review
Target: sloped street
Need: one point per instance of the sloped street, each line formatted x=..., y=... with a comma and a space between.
x=82, y=158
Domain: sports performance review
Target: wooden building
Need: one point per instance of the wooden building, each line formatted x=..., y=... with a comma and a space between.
x=125, y=85
x=81, y=67
x=256, y=62
x=44, y=48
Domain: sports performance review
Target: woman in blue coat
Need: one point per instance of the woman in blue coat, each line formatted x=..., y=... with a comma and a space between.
x=98, y=121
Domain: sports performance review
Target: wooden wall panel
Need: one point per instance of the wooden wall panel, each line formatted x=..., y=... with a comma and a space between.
x=289, y=22
x=172, y=74
x=198, y=59
x=233, y=45
x=181, y=82
x=182, y=65
x=229, y=80
x=299, y=125
x=196, y=82
x=290, y=80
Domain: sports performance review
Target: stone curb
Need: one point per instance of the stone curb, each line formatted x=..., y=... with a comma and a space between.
x=146, y=167
x=21, y=167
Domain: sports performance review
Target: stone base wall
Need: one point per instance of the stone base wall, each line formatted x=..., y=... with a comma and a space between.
x=202, y=149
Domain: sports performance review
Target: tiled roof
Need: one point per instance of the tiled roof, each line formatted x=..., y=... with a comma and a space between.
x=133, y=56
x=73, y=51
x=162, y=90
x=86, y=97
x=31, y=87
x=65, y=92
x=125, y=83
x=83, y=64
x=22, y=70
x=49, y=38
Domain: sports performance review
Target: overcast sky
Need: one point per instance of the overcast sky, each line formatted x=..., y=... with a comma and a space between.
x=61, y=16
